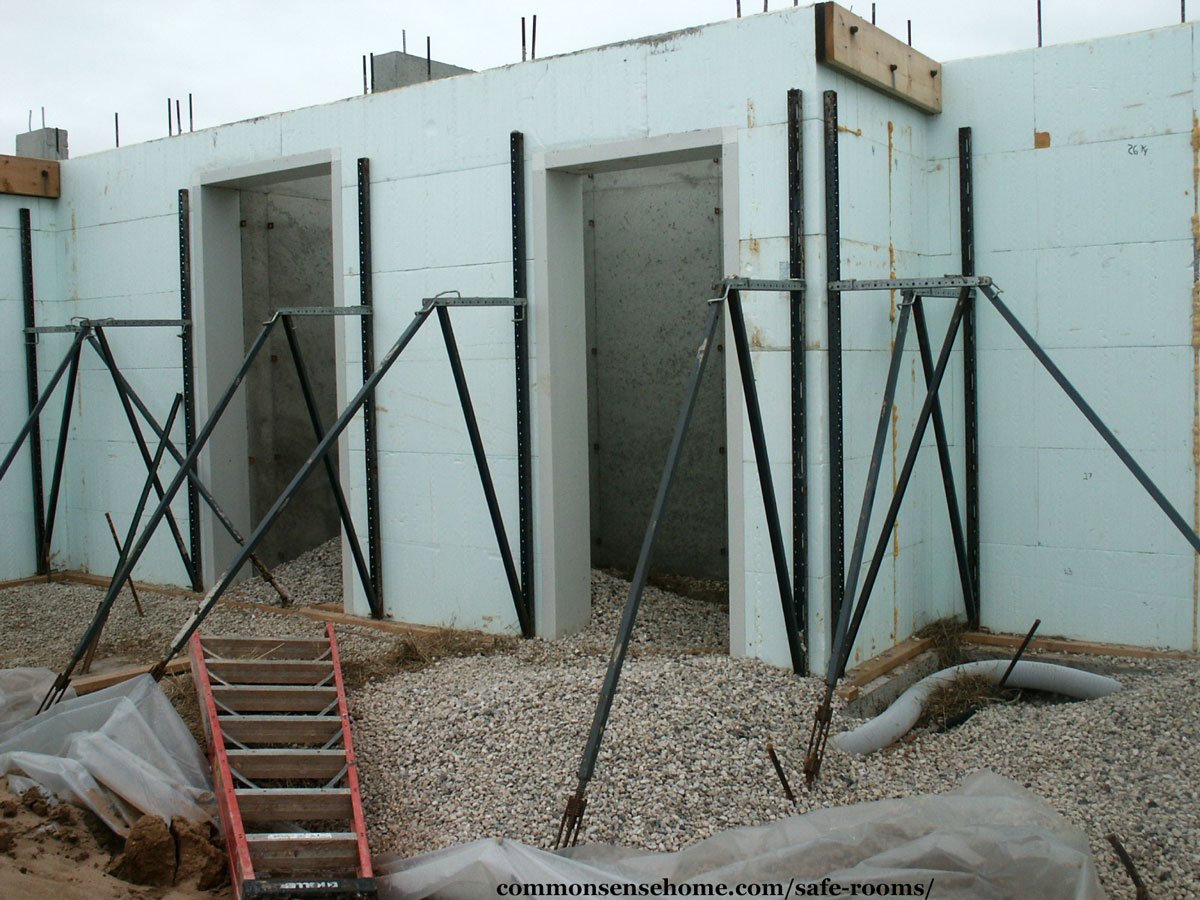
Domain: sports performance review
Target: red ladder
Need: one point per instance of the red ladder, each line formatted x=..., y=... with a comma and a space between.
x=274, y=712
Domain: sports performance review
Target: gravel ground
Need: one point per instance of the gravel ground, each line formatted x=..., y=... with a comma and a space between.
x=311, y=578
x=40, y=625
x=473, y=745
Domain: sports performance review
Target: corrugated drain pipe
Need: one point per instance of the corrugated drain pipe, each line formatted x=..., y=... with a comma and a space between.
x=894, y=722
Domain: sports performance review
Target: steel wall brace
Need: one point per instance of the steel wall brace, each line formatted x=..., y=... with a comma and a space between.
x=943, y=448
x=125, y=390
x=762, y=461
x=572, y=819
x=339, y=497
x=60, y=453
x=1090, y=414
x=324, y=446
x=144, y=450
x=868, y=504
x=485, y=474
x=571, y=822
x=844, y=642
x=134, y=551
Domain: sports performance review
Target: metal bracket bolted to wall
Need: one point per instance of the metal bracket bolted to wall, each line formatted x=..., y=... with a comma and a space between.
x=474, y=301
x=86, y=324
x=787, y=285
x=922, y=285
x=322, y=311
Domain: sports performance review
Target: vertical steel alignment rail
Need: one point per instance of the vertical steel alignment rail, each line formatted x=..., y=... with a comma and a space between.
x=32, y=420
x=943, y=449
x=833, y=264
x=366, y=325
x=323, y=447
x=845, y=642
x=797, y=312
x=31, y=384
x=1090, y=414
x=485, y=474
x=521, y=366
x=144, y=450
x=135, y=551
x=188, y=361
x=339, y=497
x=125, y=389
x=572, y=819
x=966, y=218
x=758, y=438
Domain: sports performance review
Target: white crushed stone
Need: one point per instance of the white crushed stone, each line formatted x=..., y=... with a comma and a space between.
x=484, y=746
x=313, y=577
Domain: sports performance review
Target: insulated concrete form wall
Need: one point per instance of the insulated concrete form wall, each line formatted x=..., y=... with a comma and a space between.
x=1086, y=212
x=1085, y=199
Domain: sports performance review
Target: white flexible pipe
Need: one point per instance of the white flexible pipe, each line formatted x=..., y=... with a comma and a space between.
x=894, y=722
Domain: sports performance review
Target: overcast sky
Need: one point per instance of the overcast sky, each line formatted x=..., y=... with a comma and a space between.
x=83, y=60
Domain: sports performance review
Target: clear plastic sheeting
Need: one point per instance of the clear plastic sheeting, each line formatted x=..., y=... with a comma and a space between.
x=21, y=693
x=987, y=838
x=122, y=752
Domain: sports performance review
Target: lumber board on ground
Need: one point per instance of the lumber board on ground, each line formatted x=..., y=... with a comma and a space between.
x=878, y=666
x=1063, y=645
x=91, y=683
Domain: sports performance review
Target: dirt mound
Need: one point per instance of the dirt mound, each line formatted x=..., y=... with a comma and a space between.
x=149, y=856
x=62, y=854
x=200, y=861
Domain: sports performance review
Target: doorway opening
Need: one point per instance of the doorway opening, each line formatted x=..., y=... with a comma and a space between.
x=653, y=248
x=287, y=261
x=269, y=242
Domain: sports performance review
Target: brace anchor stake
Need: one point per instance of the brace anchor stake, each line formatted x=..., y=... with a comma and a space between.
x=572, y=820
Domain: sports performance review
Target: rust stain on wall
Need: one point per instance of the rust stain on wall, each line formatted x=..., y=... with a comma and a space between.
x=891, y=243
x=846, y=129
x=1041, y=140
x=1196, y=375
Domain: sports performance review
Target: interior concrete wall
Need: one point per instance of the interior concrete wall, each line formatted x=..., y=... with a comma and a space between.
x=398, y=69
x=1092, y=241
x=286, y=248
x=652, y=244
